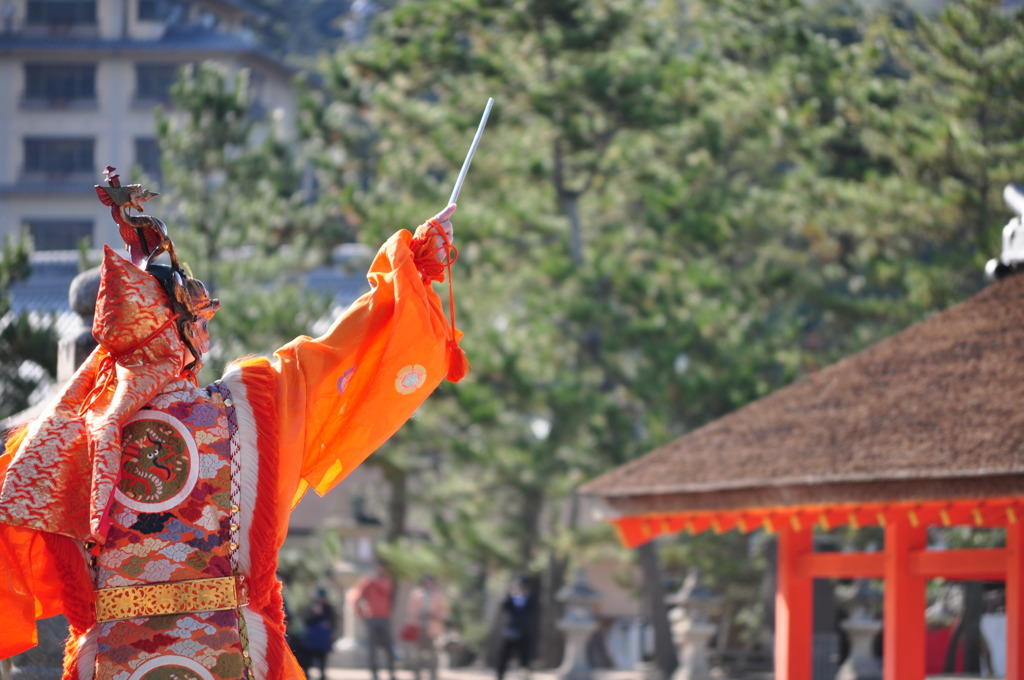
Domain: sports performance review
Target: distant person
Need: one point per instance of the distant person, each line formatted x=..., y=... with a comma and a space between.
x=428, y=610
x=292, y=634
x=519, y=610
x=320, y=621
x=371, y=599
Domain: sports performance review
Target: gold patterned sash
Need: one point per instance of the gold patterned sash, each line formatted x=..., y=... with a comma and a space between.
x=176, y=597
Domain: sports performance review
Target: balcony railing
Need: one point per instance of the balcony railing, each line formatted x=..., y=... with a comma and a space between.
x=31, y=180
x=48, y=30
x=58, y=103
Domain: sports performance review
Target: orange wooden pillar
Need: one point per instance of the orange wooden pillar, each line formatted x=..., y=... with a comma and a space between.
x=904, y=603
x=1015, y=600
x=793, y=607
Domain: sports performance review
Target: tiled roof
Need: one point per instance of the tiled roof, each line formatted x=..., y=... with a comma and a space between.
x=45, y=292
x=932, y=412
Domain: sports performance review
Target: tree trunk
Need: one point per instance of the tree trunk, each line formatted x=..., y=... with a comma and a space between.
x=551, y=644
x=534, y=502
x=967, y=632
x=398, y=501
x=973, y=609
x=665, y=659
x=571, y=206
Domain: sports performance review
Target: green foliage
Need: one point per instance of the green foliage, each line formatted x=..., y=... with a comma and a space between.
x=296, y=30
x=573, y=83
x=14, y=266
x=951, y=130
x=305, y=568
x=24, y=339
x=234, y=207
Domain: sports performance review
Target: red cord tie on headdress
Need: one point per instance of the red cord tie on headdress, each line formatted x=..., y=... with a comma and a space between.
x=432, y=269
x=106, y=373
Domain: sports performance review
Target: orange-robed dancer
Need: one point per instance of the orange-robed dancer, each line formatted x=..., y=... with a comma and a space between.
x=149, y=510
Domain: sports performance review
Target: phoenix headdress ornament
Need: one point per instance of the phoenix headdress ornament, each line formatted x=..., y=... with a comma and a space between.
x=145, y=238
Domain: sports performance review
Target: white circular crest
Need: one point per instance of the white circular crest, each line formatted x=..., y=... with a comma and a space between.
x=171, y=660
x=191, y=454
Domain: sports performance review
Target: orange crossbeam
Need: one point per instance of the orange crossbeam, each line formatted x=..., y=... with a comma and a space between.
x=841, y=565
x=976, y=564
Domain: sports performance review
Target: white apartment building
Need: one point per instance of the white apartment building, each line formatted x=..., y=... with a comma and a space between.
x=79, y=80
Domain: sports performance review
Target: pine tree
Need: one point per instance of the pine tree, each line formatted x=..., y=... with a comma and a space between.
x=952, y=131
x=234, y=206
x=575, y=84
x=22, y=338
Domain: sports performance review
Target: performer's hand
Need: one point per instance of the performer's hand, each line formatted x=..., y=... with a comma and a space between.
x=445, y=218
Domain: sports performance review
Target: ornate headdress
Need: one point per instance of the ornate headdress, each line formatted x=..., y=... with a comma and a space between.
x=150, y=325
x=145, y=237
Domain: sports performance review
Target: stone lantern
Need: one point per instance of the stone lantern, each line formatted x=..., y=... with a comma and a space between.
x=358, y=538
x=578, y=623
x=77, y=342
x=692, y=628
x=861, y=626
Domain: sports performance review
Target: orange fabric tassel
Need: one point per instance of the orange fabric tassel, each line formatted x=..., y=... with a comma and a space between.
x=426, y=260
x=458, y=364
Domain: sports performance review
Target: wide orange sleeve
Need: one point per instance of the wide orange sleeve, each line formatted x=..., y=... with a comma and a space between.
x=29, y=587
x=342, y=395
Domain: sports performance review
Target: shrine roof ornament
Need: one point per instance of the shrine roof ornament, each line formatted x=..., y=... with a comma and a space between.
x=1012, y=258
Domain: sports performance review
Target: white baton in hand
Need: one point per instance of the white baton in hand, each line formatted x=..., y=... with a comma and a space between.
x=472, y=150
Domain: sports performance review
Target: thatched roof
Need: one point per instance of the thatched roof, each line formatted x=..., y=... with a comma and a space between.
x=934, y=412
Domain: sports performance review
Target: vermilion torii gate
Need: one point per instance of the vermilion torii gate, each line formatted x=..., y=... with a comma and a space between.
x=925, y=429
x=904, y=565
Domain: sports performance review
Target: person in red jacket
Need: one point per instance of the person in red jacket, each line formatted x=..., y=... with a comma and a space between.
x=371, y=598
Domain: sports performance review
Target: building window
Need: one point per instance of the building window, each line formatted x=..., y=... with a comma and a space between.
x=153, y=82
x=62, y=12
x=147, y=157
x=56, y=158
x=59, y=234
x=155, y=10
x=258, y=95
x=59, y=84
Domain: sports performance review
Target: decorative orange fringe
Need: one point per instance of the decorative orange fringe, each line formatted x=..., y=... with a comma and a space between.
x=76, y=594
x=265, y=593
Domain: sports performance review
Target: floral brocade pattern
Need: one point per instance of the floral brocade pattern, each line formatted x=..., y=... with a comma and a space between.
x=151, y=648
x=171, y=521
x=79, y=438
